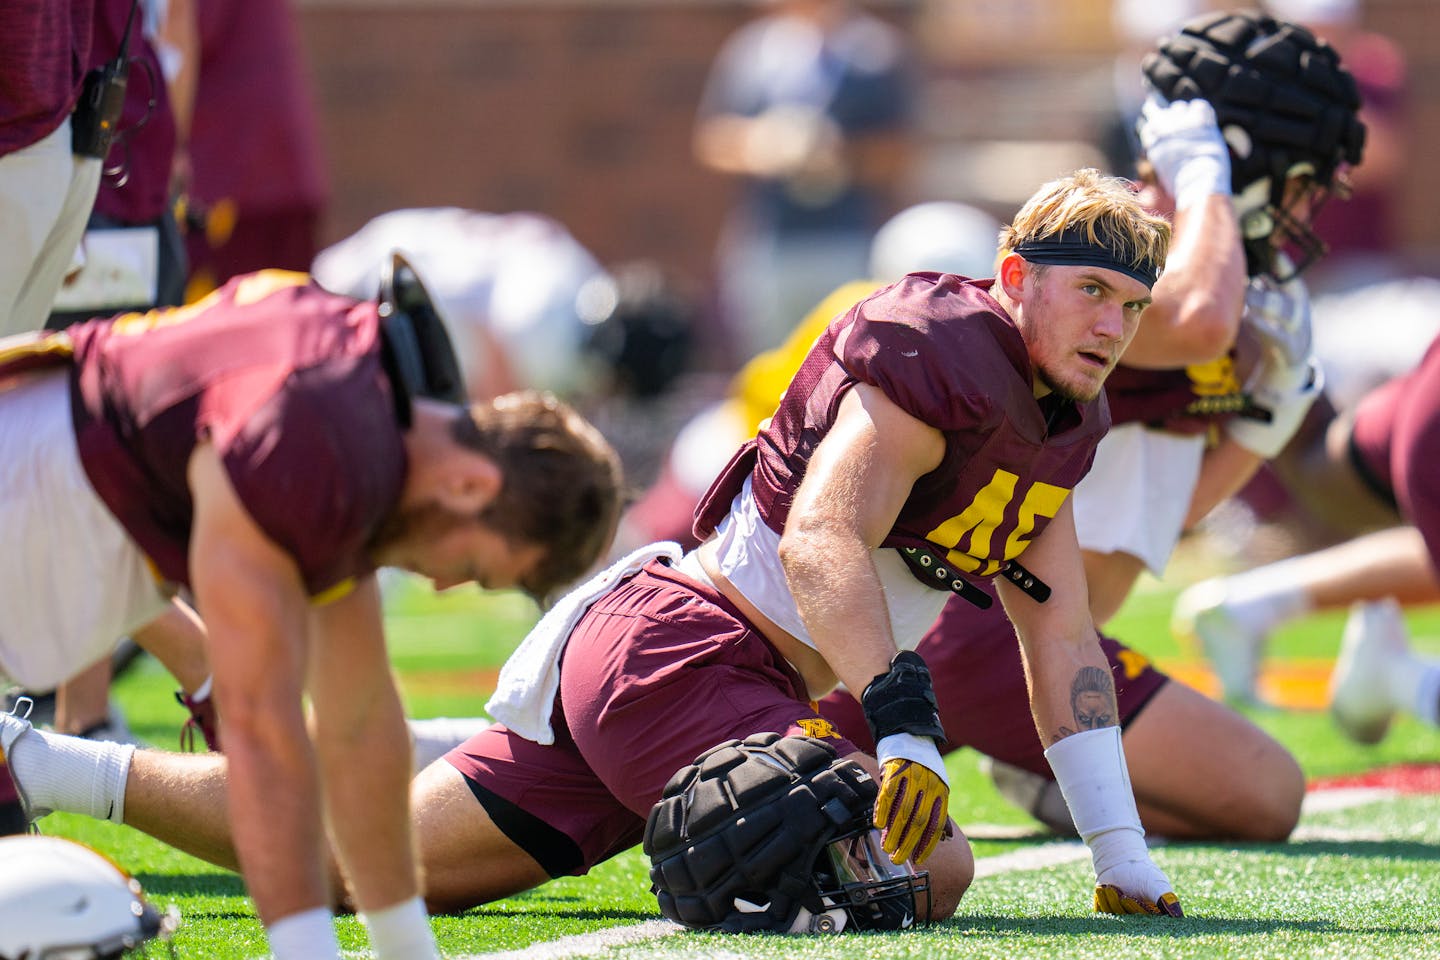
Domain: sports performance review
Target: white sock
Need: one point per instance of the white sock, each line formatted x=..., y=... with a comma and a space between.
x=1265, y=597
x=1424, y=690
x=71, y=774
x=308, y=935
x=401, y=932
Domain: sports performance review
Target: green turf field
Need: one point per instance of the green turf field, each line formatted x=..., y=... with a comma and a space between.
x=1359, y=881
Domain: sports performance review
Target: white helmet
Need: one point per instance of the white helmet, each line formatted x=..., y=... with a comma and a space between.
x=939, y=235
x=60, y=900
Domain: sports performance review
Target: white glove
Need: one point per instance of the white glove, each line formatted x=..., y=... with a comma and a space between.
x=1091, y=772
x=1289, y=377
x=1183, y=143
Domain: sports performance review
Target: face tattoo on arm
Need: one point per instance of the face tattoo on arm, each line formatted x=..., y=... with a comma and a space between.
x=1092, y=698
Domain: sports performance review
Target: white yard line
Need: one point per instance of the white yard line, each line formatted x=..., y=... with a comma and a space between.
x=1027, y=858
x=585, y=944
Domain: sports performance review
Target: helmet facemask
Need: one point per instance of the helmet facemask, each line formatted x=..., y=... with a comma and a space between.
x=863, y=890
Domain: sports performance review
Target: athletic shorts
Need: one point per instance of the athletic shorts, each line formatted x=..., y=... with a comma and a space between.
x=1137, y=493
x=974, y=659
x=657, y=671
x=1395, y=440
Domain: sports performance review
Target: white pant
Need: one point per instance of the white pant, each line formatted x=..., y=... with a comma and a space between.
x=46, y=195
x=1135, y=497
x=72, y=583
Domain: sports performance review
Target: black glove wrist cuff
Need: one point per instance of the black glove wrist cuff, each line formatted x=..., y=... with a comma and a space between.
x=902, y=700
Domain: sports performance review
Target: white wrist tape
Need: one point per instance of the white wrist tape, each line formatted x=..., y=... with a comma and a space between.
x=1200, y=177
x=1288, y=394
x=1090, y=769
x=907, y=746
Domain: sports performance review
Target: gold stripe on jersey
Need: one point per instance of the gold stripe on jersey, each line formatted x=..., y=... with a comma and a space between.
x=249, y=289
x=29, y=345
x=330, y=594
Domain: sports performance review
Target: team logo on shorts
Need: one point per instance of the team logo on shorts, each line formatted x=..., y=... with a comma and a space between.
x=818, y=727
x=1133, y=662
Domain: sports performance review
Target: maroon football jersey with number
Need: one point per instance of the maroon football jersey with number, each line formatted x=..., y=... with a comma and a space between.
x=284, y=379
x=945, y=352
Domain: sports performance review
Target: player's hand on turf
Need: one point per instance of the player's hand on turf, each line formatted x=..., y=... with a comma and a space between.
x=1136, y=886
x=1184, y=145
x=912, y=810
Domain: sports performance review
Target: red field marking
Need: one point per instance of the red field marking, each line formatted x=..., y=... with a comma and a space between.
x=450, y=683
x=1401, y=778
x=1294, y=683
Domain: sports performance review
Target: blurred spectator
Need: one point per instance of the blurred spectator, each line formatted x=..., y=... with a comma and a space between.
x=809, y=105
x=46, y=191
x=257, y=181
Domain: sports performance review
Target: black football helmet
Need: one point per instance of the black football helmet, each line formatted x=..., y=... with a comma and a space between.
x=639, y=327
x=1288, y=110
x=416, y=348
x=774, y=834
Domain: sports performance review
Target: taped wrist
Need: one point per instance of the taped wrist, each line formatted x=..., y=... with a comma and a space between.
x=902, y=700
x=1095, y=781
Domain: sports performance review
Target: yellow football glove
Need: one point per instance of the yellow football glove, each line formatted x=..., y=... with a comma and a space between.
x=1111, y=899
x=911, y=810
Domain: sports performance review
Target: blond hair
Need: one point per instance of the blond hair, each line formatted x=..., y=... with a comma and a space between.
x=1105, y=209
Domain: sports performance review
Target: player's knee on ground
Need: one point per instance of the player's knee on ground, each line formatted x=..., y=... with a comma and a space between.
x=952, y=869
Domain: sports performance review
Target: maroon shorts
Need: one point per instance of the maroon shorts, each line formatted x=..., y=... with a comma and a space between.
x=656, y=672
x=974, y=659
x=1395, y=441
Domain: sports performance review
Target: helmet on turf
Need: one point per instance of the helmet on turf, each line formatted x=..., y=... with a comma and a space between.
x=774, y=833
x=1287, y=109
x=60, y=900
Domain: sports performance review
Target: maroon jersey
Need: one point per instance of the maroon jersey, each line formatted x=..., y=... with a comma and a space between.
x=946, y=353
x=1395, y=442
x=285, y=379
x=44, y=50
x=1188, y=400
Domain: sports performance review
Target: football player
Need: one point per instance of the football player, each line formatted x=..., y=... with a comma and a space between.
x=267, y=448
x=929, y=440
x=1379, y=466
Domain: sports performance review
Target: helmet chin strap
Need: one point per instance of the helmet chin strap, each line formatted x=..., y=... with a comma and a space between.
x=831, y=921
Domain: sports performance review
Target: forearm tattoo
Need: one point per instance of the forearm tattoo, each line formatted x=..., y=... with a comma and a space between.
x=1092, y=701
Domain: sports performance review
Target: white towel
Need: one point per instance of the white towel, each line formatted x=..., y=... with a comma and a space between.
x=525, y=691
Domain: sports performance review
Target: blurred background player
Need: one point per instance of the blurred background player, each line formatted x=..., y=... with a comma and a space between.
x=254, y=177
x=808, y=106
x=131, y=256
x=46, y=188
x=1380, y=476
x=528, y=306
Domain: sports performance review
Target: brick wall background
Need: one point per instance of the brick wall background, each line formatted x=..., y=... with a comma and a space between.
x=583, y=108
